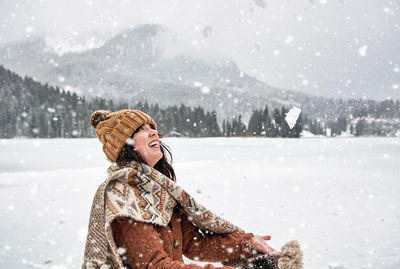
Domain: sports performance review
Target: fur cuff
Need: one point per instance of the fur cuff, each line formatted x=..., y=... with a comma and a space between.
x=290, y=257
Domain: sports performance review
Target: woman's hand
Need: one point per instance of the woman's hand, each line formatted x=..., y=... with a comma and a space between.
x=258, y=243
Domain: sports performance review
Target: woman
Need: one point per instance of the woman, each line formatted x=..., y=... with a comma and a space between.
x=141, y=218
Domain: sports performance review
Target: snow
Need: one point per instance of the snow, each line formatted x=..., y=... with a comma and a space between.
x=305, y=134
x=289, y=39
x=197, y=84
x=338, y=196
x=205, y=90
x=29, y=29
x=362, y=51
x=74, y=42
x=292, y=116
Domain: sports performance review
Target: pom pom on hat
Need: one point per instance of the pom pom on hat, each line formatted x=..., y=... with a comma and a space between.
x=98, y=116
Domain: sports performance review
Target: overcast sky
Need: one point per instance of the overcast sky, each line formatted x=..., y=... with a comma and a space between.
x=347, y=48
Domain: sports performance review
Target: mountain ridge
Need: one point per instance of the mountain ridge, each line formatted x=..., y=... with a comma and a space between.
x=146, y=64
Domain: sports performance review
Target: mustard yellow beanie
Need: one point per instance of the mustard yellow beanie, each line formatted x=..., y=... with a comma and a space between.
x=114, y=128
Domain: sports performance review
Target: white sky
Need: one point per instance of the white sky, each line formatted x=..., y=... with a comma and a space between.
x=345, y=48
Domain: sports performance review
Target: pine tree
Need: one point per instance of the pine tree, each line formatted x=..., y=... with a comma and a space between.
x=254, y=125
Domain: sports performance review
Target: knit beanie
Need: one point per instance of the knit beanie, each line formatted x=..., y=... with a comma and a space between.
x=114, y=128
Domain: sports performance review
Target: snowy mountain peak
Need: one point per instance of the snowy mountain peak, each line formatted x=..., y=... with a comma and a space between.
x=144, y=42
x=62, y=44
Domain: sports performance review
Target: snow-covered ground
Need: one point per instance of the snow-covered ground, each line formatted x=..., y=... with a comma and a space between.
x=339, y=197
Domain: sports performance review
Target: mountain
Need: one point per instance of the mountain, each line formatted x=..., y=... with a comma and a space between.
x=145, y=64
x=150, y=63
x=31, y=109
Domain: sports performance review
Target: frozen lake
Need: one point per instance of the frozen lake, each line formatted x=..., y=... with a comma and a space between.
x=339, y=197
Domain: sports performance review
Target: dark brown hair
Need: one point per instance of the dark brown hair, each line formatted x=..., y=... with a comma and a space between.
x=129, y=153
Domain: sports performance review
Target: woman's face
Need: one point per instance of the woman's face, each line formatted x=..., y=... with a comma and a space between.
x=147, y=144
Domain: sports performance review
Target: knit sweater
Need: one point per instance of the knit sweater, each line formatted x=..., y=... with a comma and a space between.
x=144, y=245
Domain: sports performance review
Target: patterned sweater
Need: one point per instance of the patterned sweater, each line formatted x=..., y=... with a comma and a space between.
x=144, y=245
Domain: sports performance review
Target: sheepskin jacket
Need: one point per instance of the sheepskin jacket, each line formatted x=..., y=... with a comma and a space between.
x=144, y=245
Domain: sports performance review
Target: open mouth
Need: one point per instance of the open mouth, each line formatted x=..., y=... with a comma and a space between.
x=154, y=144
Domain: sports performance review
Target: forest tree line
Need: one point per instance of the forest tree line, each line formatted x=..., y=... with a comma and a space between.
x=31, y=109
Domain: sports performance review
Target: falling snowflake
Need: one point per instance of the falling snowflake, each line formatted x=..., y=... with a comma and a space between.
x=197, y=84
x=205, y=90
x=289, y=39
x=121, y=251
x=388, y=10
x=292, y=116
x=363, y=51
x=29, y=29
x=295, y=189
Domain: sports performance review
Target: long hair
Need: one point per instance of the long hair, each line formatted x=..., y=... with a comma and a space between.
x=129, y=154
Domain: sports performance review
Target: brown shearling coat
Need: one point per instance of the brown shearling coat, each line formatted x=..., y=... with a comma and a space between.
x=161, y=247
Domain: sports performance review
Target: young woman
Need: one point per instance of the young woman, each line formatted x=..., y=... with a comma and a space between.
x=141, y=218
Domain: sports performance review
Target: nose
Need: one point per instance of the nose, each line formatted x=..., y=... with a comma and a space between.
x=153, y=132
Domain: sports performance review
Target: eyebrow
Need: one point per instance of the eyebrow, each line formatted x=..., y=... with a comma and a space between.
x=150, y=125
